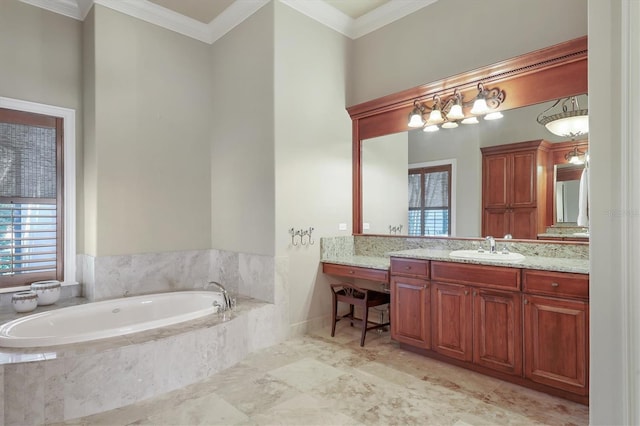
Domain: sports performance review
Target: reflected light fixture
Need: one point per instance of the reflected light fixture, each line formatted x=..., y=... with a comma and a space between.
x=415, y=116
x=575, y=156
x=449, y=112
x=568, y=123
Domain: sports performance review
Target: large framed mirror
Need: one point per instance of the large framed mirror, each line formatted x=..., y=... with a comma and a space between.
x=385, y=148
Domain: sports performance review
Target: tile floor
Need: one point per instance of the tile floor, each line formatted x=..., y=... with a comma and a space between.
x=319, y=380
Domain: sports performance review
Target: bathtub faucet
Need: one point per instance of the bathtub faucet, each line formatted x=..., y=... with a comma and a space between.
x=227, y=302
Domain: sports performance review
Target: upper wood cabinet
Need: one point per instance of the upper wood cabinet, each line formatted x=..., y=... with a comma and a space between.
x=514, y=189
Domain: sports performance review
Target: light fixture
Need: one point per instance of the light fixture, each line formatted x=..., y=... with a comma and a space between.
x=415, y=116
x=497, y=115
x=575, y=156
x=568, y=123
x=470, y=120
x=449, y=112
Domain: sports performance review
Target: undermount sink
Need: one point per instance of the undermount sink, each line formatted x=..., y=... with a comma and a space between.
x=581, y=234
x=493, y=257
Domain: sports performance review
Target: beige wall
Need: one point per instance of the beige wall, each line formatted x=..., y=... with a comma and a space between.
x=41, y=61
x=152, y=109
x=453, y=36
x=313, y=152
x=242, y=137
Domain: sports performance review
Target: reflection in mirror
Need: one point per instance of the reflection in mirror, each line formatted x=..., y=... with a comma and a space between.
x=567, y=191
x=387, y=159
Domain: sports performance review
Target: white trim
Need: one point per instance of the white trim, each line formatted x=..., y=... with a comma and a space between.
x=69, y=8
x=386, y=14
x=325, y=14
x=231, y=17
x=235, y=14
x=69, y=129
x=158, y=15
x=454, y=180
x=630, y=190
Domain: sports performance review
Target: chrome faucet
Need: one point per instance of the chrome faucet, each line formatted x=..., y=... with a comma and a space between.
x=492, y=244
x=227, y=301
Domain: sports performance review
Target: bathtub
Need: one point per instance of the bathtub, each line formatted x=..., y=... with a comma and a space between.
x=100, y=320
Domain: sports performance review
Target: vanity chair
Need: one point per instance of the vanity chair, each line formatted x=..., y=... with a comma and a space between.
x=357, y=296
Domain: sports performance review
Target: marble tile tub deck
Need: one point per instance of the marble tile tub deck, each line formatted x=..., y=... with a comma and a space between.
x=319, y=380
x=53, y=384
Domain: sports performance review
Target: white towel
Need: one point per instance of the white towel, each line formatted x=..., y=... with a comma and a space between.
x=583, y=199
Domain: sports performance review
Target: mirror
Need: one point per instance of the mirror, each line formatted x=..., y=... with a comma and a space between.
x=567, y=191
x=384, y=147
x=385, y=161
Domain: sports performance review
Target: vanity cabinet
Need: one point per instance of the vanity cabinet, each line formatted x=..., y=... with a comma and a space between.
x=556, y=329
x=477, y=315
x=514, y=189
x=411, y=302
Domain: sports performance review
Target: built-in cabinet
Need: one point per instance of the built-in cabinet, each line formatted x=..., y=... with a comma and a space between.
x=527, y=325
x=514, y=189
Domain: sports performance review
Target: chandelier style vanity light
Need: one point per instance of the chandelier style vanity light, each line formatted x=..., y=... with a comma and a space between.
x=449, y=112
x=575, y=156
x=565, y=122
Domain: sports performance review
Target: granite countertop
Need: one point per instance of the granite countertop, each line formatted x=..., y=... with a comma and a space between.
x=556, y=264
x=563, y=235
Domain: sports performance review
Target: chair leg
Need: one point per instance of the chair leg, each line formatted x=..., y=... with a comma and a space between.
x=351, y=314
x=335, y=313
x=365, y=319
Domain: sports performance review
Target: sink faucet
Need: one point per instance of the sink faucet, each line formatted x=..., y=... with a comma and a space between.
x=227, y=302
x=492, y=244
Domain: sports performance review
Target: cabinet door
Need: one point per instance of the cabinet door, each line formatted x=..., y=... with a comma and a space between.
x=497, y=334
x=495, y=181
x=523, y=223
x=556, y=334
x=523, y=179
x=495, y=222
x=451, y=320
x=411, y=311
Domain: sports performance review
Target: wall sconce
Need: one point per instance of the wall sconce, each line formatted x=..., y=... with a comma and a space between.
x=447, y=113
x=566, y=123
x=575, y=156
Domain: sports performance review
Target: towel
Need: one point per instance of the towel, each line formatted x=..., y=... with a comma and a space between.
x=583, y=199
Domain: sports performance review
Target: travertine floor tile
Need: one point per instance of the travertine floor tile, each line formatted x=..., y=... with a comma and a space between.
x=319, y=380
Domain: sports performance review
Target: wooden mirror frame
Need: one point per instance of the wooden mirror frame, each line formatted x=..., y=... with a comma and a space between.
x=554, y=72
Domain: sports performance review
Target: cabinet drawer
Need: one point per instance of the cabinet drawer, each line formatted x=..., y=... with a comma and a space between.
x=556, y=283
x=380, y=275
x=410, y=267
x=486, y=276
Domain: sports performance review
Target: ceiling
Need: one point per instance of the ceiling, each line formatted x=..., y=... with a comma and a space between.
x=208, y=20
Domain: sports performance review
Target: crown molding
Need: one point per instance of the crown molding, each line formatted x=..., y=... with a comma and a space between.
x=237, y=13
x=231, y=17
x=386, y=14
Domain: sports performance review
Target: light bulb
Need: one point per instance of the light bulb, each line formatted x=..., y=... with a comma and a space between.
x=480, y=106
x=435, y=117
x=415, y=120
x=455, y=113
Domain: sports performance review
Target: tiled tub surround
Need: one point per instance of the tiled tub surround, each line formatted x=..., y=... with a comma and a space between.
x=109, y=277
x=374, y=252
x=69, y=381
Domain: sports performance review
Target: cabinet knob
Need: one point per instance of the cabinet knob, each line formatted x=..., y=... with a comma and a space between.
x=554, y=284
x=526, y=302
x=475, y=293
x=352, y=272
x=466, y=292
x=407, y=268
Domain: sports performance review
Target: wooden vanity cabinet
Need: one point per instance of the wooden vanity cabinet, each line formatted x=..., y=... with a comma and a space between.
x=556, y=330
x=410, y=302
x=514, y=189
x=476, y=315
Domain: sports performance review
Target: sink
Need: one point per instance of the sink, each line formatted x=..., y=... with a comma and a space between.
x=581, y=234
x=493, y=257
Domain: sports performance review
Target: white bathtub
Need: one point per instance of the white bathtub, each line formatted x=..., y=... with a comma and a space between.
x=109, y=318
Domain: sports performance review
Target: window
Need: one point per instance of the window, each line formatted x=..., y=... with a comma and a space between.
x=31, y=198
x=430, y=200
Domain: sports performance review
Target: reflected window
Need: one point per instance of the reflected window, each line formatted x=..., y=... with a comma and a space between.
x=430, y=201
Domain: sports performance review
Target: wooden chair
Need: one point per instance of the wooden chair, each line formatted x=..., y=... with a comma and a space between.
x=356, y=296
